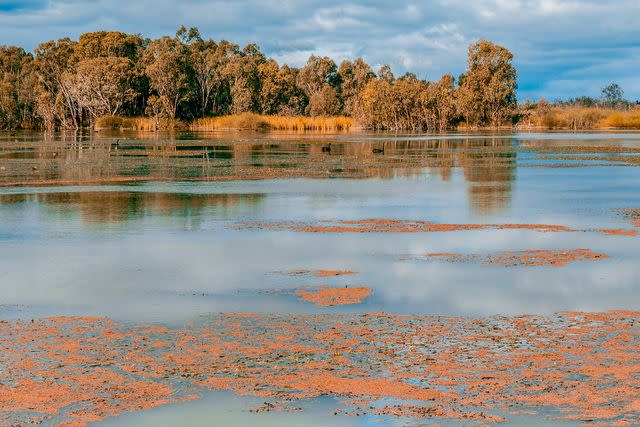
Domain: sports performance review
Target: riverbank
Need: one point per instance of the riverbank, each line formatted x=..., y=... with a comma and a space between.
x=553, y=118
x=575, y=118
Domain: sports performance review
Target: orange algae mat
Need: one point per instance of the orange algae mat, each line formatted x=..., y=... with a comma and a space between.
x=326, y=296
x=576, y=366
x=413, y=226
x=528, y=258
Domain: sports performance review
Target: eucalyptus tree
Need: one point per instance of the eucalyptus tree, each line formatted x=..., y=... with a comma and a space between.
x=167, y=68
x=53, y=60
x=385, y=73
x=354, y=75
x=487, y=90
x=377, y=106
x=612, y=94
x=208, y=76
x=438, y=103
x=102, y=85
x=279, y=93
x=18, y=88
x=320, y=81
x=325, y=102
x=103, y=44
x=240, y=70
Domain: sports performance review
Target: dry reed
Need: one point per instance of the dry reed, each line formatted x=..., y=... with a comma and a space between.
x=146, y=124
x=583, y=118
x=253, y=121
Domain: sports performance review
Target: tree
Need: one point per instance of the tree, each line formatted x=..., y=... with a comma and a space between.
x=52, y=60
x=102, y=85
x=325, y=102
x=354, y=76
x=406, y=97
x=385, y=73
x=487, y=90
x=278, y=91
x=102, y=44
x=218, y=65
x=313, y=77
x=438, y=103
x=18, y=87
x=168, y=72
x=67, y=84
x=612, y=94
x=241, y=72
x=203, y=60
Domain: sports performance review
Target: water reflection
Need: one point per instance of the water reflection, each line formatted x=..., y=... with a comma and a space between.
x=488, y=163
x=120, y=206
x=490, y=174
x=129, y=250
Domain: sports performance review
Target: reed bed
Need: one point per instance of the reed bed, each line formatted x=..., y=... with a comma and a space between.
x=583, y=118
x=622, y=120
x=145, y=124
x=251, y=121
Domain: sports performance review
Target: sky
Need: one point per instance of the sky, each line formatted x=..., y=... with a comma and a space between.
x=562, y=48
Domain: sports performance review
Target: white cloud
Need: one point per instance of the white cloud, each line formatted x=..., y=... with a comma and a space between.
x=563, y=48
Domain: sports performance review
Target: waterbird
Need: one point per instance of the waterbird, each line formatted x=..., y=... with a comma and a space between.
x=377, y=150
x=326, y=148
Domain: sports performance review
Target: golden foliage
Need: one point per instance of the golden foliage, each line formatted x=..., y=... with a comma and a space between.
x=487, y=92
x=408, y=103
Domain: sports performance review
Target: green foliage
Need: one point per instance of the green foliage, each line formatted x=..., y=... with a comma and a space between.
x=612, y=94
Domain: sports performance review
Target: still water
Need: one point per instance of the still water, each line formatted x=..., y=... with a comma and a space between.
x=149, y=228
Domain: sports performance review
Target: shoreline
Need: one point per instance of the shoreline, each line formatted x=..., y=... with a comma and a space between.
x=343, y=124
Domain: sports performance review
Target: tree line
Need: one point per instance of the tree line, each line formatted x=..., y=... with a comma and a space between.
x=69, y=84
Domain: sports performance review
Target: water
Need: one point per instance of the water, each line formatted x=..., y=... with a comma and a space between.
x=148, y=228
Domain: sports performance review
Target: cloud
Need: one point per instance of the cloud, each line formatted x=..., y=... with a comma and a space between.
x=563, y=48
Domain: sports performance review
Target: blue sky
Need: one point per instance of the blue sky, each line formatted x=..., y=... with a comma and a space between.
x=562, y=48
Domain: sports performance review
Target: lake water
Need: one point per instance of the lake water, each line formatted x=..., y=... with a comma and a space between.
x=167, y=228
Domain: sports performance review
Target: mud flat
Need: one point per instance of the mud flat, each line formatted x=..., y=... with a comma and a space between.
x=527, y=258
x=414, y=226
x=326, y=296
x=574, y=366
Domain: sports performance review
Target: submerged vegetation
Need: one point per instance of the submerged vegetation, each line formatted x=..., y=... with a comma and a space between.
x=123, y=81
